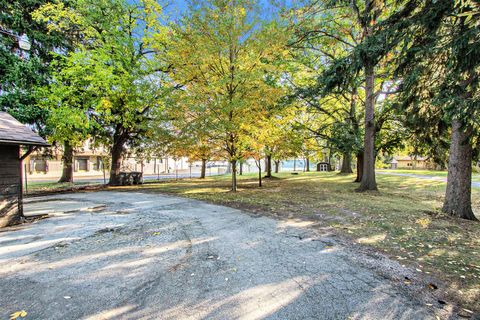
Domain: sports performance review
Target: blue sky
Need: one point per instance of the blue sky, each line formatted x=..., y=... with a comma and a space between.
x=175, y=8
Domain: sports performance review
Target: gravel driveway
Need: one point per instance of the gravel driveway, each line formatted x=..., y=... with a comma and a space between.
x=118, y=255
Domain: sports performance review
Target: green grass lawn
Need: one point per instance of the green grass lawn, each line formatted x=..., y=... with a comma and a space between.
x=442, y=174
x=45, y=187
x=402, y=220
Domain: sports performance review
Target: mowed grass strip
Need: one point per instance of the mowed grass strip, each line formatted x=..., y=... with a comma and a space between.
x=402, y=220
x=432, y=173
x=36, y=188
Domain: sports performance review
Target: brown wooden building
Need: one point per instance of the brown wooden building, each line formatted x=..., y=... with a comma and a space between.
x=324, y=166
x=13, y=135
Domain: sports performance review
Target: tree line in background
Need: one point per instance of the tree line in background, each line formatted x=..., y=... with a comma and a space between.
x=360, y=79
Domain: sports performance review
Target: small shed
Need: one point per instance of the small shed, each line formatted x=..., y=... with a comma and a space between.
x=13, y=135
x=323, y=166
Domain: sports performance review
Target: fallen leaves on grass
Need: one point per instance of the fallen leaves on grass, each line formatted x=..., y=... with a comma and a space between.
x=424, y=222
x=402, y=220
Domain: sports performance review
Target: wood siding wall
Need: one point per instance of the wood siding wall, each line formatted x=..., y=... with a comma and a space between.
x=10, y=187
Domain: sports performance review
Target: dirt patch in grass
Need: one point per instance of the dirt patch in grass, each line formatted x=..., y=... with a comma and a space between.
x=402, y=220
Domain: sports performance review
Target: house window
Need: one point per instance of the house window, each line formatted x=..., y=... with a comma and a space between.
x=82, y=164
x=40, y=165
x=409, y=164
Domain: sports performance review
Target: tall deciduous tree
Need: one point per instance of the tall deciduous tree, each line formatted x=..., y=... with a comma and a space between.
x=183, y=129
x=342, y=27
x=67, y=102
x=324, y=34
x=115, y=58
x=222, y=52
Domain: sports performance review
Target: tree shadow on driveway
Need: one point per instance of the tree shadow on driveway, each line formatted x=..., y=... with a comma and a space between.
x=172, y=258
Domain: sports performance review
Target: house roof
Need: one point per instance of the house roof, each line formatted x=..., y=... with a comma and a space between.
x=13, y=132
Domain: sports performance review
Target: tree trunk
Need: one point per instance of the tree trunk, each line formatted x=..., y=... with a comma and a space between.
x=259, y=166
x=346, y=163
x=67, y=162
x=269, y=167
x=203, y=170
x=359, y=167
x=458, y=202
x=117, y=154
x=307, y=160
x=241, y=168
x=234, y=175
x=330, y=160
x=277, y=165
x=368, y=177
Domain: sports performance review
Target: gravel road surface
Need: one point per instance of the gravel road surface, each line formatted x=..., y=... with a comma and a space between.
x=119, y=255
